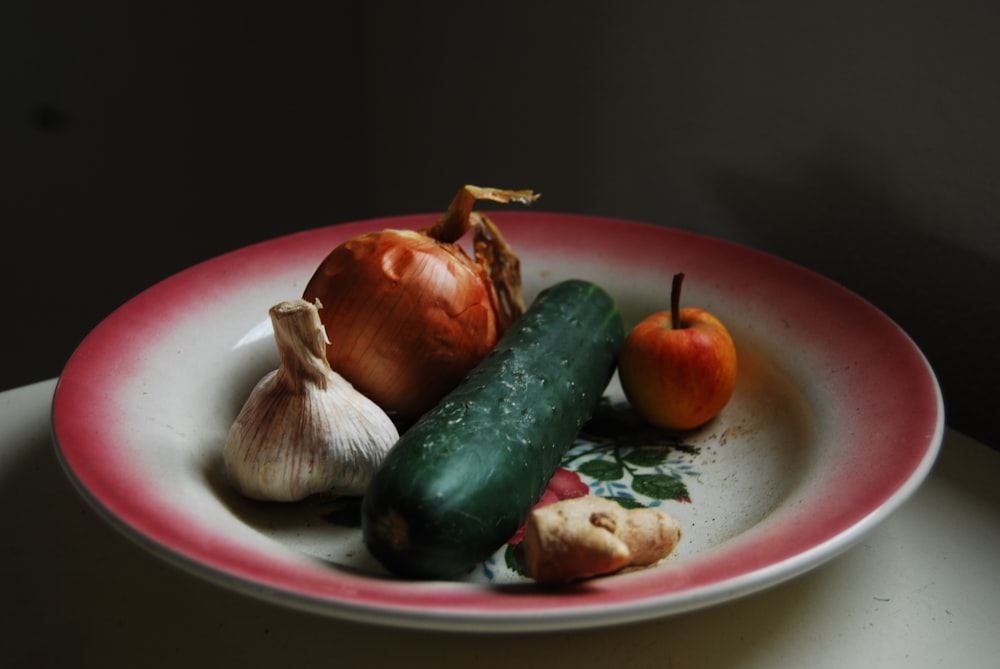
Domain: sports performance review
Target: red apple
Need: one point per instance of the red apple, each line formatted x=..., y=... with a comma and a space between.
x=678, y=367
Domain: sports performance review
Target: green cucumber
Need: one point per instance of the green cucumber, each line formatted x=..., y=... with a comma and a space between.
x=461, y=481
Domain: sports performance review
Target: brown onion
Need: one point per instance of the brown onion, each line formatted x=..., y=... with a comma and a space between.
x=409, y=313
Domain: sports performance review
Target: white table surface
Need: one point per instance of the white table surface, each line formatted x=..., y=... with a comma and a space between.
x=921, y=590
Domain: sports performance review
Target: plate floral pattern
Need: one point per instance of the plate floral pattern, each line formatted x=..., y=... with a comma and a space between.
x=615, y=456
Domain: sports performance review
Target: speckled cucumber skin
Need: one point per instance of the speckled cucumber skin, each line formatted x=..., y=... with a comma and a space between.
x=460, y=482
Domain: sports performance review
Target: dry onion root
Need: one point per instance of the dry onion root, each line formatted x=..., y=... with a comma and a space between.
x=589, y=536
x=409, y=313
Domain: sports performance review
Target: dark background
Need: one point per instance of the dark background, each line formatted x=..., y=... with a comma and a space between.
x=858, y=139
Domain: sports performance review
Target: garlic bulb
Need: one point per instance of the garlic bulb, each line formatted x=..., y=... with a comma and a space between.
x=304, y=430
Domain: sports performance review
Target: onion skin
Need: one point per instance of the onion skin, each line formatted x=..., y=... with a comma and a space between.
x=407, y=317
x=409, y=313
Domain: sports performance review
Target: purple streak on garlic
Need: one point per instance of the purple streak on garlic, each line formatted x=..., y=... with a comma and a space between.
x=304, y=430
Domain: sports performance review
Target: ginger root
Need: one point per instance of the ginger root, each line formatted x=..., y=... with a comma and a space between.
x=589, y=536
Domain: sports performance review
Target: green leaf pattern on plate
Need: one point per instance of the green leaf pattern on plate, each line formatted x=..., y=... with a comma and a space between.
x=621, y=458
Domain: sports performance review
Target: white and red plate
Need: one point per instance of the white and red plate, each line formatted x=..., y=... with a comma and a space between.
x=836, y=420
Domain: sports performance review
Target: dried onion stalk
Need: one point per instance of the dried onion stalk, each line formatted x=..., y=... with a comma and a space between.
x=409, y=313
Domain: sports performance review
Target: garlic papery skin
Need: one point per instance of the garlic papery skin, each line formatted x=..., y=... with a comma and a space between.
x=304, y=430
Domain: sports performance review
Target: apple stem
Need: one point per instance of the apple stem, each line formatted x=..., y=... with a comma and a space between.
x=675, y=300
